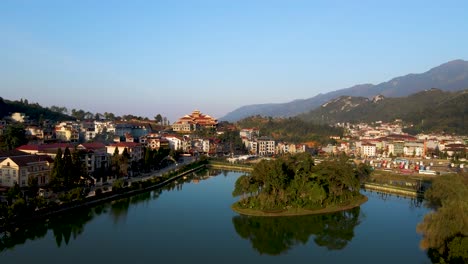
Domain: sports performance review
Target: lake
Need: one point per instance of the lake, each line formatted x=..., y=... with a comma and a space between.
x=191, y=221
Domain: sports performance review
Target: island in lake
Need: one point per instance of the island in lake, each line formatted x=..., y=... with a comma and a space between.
x=294, y=185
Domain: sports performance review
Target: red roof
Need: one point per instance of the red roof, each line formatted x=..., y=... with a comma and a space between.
x=93, y=145
x=126, y=144
x=45, y=147
x=25, y=160
x=14, y=152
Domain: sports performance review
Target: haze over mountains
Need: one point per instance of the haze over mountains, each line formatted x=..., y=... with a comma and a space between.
x=450, y=76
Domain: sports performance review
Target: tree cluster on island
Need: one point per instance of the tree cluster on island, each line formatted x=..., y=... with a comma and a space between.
x=295, y=182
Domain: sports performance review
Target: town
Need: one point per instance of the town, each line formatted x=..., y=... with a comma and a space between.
x=382, y=145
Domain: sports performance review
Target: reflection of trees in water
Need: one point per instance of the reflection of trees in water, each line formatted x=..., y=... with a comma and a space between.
x=276, y=235
x=119, y=208
x=67, y=225
x=71, y=225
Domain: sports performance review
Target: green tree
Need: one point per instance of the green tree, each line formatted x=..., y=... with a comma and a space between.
x=158, y=118
x=445, y=230
x=56, y=177
x=13, y=137
x=67, y=169
x=79, y=166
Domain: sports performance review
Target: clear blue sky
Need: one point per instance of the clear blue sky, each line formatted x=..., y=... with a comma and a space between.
x=171, y=57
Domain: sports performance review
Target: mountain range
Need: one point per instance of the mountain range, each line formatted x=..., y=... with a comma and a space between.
x=450, y=76
x=431, y=110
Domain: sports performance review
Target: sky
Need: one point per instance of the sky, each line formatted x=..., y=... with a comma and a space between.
x=172, y=57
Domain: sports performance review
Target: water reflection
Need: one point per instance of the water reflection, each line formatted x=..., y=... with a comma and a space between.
x=69, y=226
x=414, y=202
x=277, y=235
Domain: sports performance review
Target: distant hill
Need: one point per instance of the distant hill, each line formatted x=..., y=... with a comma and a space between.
x=430, y=110
x=33, y=110
x=450, y=76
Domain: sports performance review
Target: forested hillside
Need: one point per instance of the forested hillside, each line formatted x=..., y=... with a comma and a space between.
x=33, y=110
x=290, y=129
x=429, y=111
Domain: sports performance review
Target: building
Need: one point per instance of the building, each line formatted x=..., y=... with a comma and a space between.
x=194, y=121
x=249, y=133
x=19, y=117
x=49, y=149
x=18, y=169
x=175, y=142
x=95, y=156
x=368, y=150
x=415, y=149
x=396, y=148
x=266, y=146
x=154, y=141
x=134, y=149
x=68, y=132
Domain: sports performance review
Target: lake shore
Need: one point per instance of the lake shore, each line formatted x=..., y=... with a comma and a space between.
x=299, y=211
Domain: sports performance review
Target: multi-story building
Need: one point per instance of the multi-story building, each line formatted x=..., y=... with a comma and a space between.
x=134, y=149
x=18, y=169
x=249, y=133
x=415, y=149
x=368, y=150
x=95, y=156
x=175, y=142
x=68, y=131
x=154, y=141
x=193, y=122
x=266, y=146
x=396, y=148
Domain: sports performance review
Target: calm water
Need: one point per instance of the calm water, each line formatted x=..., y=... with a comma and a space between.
x=192, y=222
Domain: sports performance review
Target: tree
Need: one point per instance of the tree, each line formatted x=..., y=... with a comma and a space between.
x=33, y=185
x=13, y=137
x=294, y=181
x=59, y=109
x=109, y=116
x=445, y=231
x=67, y=169
x=158, y=118
x=78, y=114
x=124, y=162
x=115, y=162
x=79, y=167
x=56, y=180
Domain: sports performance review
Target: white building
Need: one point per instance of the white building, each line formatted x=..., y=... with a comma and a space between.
x=266, y=146
x=368, y=150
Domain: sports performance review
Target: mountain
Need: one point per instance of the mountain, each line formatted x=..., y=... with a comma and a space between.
x=430, y=110
x=450, y=76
